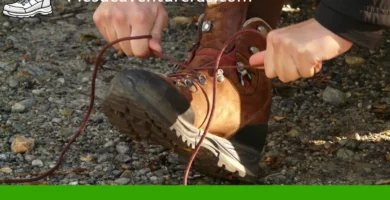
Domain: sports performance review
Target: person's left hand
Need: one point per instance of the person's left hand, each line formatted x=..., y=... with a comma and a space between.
x=297, y=51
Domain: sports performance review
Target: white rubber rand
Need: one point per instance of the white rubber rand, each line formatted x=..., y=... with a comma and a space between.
x=42, y=11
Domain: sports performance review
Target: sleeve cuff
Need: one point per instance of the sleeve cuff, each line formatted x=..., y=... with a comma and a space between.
x=355, y=31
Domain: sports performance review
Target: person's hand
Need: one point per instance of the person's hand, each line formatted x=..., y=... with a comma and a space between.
x=298, y=50
x=123, y=19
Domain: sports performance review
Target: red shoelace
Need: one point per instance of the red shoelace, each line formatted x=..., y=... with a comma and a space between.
x=92, y=99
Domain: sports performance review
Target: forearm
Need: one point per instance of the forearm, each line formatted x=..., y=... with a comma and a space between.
x=360, y=21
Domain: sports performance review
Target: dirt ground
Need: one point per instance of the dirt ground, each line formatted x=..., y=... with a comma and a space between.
x=330, y=129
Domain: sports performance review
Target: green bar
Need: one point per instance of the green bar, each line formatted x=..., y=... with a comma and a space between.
x=195, y=192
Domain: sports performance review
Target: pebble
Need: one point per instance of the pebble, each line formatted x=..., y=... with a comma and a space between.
x=18, y=108
x=126, y=174
x=343, y=142
x=136, y=164
x=122, y=181
x=153, y=178
x=24, y=105
x=61, y=80
x=13, y=83
x=29, y=158
x=22, y=144
x=104, y=157
x=37, y=163
x=122, y=148
x=293, y=133
x=74, y=183
x=85, y=79
x=123, y=158
x=37, y=92
x=56, y=120
x=344, y=154
x=6, y=170
x=109, y=144
x=3, y=157
x=6, y=24
x=354, y=60
x=173, y=158
x=334, y=96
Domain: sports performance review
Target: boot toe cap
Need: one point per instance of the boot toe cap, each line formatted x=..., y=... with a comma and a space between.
x=152, y=91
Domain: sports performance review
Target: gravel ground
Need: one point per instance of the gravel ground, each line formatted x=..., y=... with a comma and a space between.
x=331, y=129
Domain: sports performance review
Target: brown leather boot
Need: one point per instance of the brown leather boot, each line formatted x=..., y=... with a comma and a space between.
x=173, y=110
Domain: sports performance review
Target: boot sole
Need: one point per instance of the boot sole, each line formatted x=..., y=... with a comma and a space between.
x=134, y=114
x=42, y=11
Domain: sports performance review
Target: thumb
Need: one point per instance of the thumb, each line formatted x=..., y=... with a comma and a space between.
x=257, y=58
x=154, y=44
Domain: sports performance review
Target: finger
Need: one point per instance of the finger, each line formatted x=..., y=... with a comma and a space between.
x=257, y=58
x=156, y=32
x=317, y=67
x=286, y=66
x=269, y=64
x=305, y=65
x=111, y=35
x=141, y=26
x=124, y=30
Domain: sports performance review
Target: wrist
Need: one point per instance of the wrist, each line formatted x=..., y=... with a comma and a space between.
x=348, y=28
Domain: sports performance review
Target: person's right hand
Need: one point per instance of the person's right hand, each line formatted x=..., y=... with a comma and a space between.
x=123, y=19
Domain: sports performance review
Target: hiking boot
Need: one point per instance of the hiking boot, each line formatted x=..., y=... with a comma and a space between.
x=27, y=8
x=173, y=110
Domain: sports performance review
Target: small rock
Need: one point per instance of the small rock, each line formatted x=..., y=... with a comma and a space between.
x=61, y=80
x=37, y=92
x=23, y=106
x=109, y=144
x=293, y=133
x=122, y=181
x=6, y=170
x=18, y=108
x=173, y=158
x=181, y=20
x=386, y=100
x=29, y=158
x=3, y=157
x=86, y=158
x=327, y=145
x=343, y=142
x=74, y=183
x=85, y=79
x=104, y=157
x=387, y=157
x=66, y=113
x=13, y=83
x=345, y=154
x=354, y=60
x=6, y=24
x=153, y=178
x=367, y=169
x=56, y=120
x=123, y=158
x=334, y=96
x=271, y=143
x=126, y=174
x=22, y=144
x=37, y=163
x=122, y=148
x=137, y=164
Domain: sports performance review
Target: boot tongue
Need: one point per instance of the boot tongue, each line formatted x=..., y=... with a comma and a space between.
x=220, y=22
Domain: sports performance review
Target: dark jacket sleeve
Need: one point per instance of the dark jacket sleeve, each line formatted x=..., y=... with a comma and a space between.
x=358, y=21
